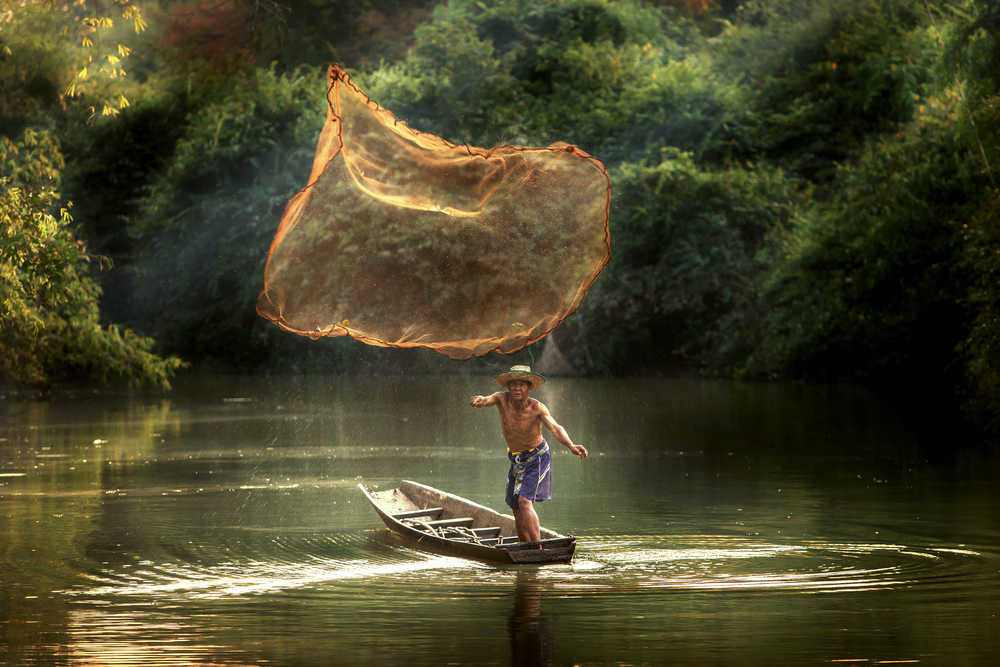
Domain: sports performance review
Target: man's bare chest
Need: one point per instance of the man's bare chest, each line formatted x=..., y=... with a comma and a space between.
x=520, y=420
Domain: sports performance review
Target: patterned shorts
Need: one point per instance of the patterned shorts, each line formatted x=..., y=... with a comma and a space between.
x=530, y=475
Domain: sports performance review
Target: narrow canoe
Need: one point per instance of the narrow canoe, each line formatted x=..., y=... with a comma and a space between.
x=445, y=523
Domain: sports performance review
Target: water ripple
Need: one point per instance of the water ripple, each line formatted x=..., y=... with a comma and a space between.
x=722, y=563
x=319, y=564
x=266, y=565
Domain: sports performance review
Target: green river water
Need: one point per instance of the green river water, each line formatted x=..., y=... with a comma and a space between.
x=717, y=523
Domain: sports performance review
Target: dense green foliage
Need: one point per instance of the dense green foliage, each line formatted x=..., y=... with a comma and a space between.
x=680, y=272
x=608, y=77
x=891, y=277
x=203, y=229
x=822, y=78
x=874, y=276
x=49, y=327
x=975, y=51
x=802, y=189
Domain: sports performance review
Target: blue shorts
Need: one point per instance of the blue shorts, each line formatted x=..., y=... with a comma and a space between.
x=530, y=475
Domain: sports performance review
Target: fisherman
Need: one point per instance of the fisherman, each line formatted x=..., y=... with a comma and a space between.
x=529, y=479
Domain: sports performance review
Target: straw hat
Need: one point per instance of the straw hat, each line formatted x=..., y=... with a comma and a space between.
x=521, y=372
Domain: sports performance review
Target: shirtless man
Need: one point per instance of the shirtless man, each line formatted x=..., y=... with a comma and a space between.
x=529, y=479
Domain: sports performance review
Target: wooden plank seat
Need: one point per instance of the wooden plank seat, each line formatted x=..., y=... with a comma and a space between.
x=469, y=533
x=552, y=543
x=433, y=512
x=465, y=521
x=487, y=532
x=441, y=525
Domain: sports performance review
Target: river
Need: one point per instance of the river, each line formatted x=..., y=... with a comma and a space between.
x=718, y=523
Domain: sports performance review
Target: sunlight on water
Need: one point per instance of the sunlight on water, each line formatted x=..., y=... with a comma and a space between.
x=729, y=564
x=103, y=637
x=255, y=578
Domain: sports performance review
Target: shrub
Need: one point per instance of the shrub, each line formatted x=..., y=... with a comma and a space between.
x=49, y=324
x=687, y=246
x=824, y=77
x=204, y=228
x=871, y=288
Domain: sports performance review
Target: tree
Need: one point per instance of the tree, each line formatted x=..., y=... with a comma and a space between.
x=63, y=49
x=49, y=318
x=49, y=324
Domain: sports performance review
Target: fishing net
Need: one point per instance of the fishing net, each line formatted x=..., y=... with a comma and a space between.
x=403, y=239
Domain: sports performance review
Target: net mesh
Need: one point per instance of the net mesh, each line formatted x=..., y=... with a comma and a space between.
x=403, y=239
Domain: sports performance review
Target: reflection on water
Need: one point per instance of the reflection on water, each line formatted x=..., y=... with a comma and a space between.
x=721, y=526
x=117, y=636
x=532, y=643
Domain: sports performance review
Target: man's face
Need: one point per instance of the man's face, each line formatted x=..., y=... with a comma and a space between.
x=518, y=389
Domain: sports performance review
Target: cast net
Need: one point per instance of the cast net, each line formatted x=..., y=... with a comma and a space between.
x=403, y=239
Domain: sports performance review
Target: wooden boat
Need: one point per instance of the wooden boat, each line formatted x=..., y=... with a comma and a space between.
x=445, y=523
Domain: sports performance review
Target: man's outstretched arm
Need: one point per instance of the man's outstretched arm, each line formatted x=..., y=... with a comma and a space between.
x=561, y=434
x=484, y=401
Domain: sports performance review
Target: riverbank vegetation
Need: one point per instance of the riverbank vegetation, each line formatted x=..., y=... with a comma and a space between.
x=801, y=189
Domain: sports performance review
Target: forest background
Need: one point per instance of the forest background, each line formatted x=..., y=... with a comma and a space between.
x=802, y=190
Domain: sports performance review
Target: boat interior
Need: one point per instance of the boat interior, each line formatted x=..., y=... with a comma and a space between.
x=443, y=515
